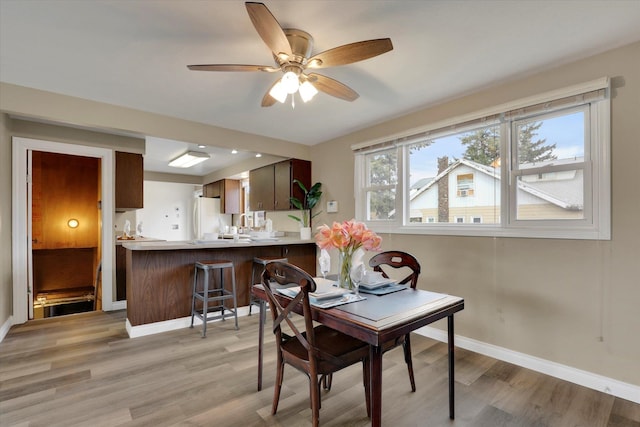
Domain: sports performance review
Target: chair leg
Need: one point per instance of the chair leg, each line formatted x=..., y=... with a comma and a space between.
x=278, y=385
x=366, y=378
x=407, y=358
x=314, y=390
x=326, y=381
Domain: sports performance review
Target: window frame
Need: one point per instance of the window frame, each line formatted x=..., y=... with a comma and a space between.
x=596, y=224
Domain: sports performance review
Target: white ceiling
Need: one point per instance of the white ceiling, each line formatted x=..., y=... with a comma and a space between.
x=134, y=53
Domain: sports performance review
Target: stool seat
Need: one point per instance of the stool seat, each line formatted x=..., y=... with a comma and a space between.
x=213, y=292
x=260, y=261
x=214, y=264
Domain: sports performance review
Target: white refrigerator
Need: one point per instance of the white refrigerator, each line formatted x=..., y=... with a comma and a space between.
x=206, y=217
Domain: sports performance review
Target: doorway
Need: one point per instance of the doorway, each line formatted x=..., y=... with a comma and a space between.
x=65, y=240
x=23, y=233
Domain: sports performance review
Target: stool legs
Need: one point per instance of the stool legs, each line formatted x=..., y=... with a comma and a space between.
x=217, y=295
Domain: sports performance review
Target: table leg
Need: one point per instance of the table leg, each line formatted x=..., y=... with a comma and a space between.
x=263, y=315
x=451, y=368
x=375, y=354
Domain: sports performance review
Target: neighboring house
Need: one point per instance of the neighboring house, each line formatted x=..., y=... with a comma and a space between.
x=469, y=192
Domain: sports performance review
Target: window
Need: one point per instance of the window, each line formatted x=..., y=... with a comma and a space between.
x=465, y=185
x=380, y=187
x=532, y=168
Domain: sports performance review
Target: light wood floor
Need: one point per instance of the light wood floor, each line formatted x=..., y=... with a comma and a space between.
x=83, y=370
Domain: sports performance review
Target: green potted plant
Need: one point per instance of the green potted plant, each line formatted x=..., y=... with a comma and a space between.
x=310, y=199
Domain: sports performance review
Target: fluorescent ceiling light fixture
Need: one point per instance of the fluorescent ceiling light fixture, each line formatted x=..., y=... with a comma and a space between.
x=189, y=159
x=307, y=91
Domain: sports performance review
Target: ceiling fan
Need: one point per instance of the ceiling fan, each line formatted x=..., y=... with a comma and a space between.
x=292, y=53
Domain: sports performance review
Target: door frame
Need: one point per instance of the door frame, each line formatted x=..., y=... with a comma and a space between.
x=21, y=235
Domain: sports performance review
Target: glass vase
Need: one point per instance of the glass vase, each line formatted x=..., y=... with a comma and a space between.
x=344, y=278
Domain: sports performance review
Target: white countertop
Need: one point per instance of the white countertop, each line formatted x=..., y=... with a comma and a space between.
x=138, y=239
x=135, y=245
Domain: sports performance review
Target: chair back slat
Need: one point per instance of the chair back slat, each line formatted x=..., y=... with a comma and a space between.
x=288, y=274
x=397, y=259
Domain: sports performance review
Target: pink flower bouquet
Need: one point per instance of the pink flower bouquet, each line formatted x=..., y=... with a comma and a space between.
x=347, y=237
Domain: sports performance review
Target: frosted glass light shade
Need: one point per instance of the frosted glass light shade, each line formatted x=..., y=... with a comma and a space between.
x=307, y=91
x=290, y=82
x=278, y=92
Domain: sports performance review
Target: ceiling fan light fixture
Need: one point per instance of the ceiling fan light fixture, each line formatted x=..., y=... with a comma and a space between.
x=189, y=159
x=307, y=91
x=290, y=82
x=278, y=92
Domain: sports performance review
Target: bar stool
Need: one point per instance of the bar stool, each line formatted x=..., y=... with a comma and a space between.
x=216, y=294
x=260, y=262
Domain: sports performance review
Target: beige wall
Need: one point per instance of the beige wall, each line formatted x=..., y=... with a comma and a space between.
x=571, y=302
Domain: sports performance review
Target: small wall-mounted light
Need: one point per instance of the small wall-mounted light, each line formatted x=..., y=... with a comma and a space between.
x=73, y=223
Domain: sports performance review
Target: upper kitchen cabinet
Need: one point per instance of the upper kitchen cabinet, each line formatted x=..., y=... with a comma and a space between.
x=261, y=184
x=272, y=186
x=229, y=192
x=129, y=181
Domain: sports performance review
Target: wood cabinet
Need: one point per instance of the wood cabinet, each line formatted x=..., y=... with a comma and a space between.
x=261, y=184
x=121, y=273
x=228, y=190
x=129, y=181
x=272, y=185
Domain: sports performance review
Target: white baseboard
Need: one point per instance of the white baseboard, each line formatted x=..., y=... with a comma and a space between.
x=4, y=330
x=577, y=376
x=173, y=324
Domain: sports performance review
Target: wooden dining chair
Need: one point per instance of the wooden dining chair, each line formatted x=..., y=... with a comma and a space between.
x=316, y=351
x=396, y=260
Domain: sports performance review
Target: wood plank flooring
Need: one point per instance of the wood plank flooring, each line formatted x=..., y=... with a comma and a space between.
x=83, y=370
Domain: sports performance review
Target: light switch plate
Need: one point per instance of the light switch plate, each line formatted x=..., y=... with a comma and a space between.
x=332, y=206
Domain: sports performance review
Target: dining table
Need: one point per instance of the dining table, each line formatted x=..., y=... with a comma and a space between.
x=376, y=320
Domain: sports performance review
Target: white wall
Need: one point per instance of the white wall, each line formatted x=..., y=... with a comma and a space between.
x=167, y=210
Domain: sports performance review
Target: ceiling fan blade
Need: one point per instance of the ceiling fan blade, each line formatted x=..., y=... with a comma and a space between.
x=332, y=87
x=268, y=100
x=268, y=28
x=349, y=53
x=232, y=67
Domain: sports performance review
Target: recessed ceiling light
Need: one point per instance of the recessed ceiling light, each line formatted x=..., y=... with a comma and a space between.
x=234, y=151
x=258, y=155
x=202, y=146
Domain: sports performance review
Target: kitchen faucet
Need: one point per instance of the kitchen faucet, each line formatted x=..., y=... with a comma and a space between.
x=239, y=222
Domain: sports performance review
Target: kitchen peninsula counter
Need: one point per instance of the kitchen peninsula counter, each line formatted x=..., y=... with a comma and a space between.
x=160, y=275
